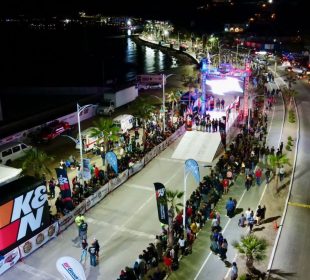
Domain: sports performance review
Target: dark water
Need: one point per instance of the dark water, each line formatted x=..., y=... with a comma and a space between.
x=75, y=57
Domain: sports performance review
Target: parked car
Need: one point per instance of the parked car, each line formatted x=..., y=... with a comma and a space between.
x=50, y=131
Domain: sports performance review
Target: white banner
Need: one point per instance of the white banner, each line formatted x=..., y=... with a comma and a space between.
x=9, y=259
x=136, y=167
x=70, y=268
x=67, y=220
x=38, y=240
x=97, y=196
x=120, y=179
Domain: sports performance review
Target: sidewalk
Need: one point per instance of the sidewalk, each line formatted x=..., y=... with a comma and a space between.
x=202, y=263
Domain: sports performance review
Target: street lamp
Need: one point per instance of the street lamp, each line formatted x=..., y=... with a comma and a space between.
x=164, y=78
x=79, y=109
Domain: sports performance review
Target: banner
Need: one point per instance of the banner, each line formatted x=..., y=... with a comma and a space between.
x=97, y=196
x=86, y=169
x=38, y=240
x=136, y=167
x=67, y=220
x=120, y=179
x=64, y=185
x=112, y=160
x=161, y=201
x=8, y=260
x=70, y=268
x=191, y=166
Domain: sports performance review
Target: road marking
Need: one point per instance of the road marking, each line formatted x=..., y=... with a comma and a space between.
x=296, y=204
x=40, y=274
x=170, y=159
x=141, y=207
x=206, y=260
x=140, y=187
x=121, y=228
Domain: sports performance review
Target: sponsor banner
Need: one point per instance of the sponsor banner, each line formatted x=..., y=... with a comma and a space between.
x=24, y=216
x=120, y=179
x=150, y=155
x=64, y=185
x=70, y=268
x=111, y=158
x=97, y=196
x=9, y=259
x=161, y=201
x=192, y=167
x=86, y=169
x=38, y=240
x=136, y=167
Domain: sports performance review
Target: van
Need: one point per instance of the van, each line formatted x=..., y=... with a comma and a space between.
x=12, y=151
x=89, y=142
x=124, y=122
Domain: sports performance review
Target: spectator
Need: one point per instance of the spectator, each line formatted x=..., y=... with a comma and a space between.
x=234, y=272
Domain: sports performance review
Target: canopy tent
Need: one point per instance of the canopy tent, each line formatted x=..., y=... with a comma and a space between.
x=8, y=174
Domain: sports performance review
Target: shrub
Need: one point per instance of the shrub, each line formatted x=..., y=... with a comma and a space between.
x=288, y=147
x=291, y=116
x=290, y=138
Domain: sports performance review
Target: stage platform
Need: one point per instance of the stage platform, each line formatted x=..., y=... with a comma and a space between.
x=198, y=145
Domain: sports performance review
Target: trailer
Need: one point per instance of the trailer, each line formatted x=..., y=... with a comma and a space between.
x=115, y=99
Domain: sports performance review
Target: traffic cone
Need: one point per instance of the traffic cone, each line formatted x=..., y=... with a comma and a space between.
x=275, y=225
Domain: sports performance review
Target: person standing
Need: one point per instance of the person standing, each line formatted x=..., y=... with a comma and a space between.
x=84, y=251
x=97, y=247
x=258, y=176
x=281, y=172
x=223, y=249
x=51, y=186
x=92, y=254
x=83, y=230
x=234, y=272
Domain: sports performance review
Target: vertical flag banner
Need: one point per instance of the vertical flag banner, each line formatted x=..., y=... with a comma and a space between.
x=70, y=268
x=112, y=160
x=191, y=166
x=63, y=184
x=86, y=169
x=161, y=200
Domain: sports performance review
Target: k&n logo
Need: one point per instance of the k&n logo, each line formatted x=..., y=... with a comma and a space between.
x=19, y=213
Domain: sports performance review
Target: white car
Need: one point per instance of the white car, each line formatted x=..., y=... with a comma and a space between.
x=155, y=86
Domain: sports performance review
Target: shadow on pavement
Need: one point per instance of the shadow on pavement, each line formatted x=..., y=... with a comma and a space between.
x=270, y=219
x=276, y=274
x=238, y=211
x=258, y=229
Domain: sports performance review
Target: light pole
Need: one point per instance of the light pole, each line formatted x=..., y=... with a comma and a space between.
x=79, y=109
x=164, y=78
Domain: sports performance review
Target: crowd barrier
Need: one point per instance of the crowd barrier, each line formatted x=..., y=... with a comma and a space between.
x=25, y=249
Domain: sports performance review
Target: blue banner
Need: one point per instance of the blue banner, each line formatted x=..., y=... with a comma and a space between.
x=191, y=166
x=86, y=169
x=112, y=160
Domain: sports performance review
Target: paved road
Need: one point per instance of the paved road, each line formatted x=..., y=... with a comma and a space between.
x=125, y=222
x=211, y=267
x=293, y=250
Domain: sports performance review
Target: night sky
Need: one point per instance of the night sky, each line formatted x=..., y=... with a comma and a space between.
x=291, y=14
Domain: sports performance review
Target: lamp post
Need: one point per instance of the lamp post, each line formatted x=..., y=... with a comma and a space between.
x=164, y=78
x=79, y=109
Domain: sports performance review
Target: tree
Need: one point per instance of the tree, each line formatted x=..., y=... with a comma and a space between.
x=276, y=162
x=174, y=207
x=143, y=110
x=36, y=163
x=106, y=129
x=253, y=248
x=174, y=98
x=290, y=93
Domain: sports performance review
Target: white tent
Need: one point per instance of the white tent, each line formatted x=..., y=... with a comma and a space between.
x=8, y=174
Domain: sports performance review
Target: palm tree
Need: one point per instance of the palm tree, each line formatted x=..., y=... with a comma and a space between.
x=276, y=162
x=172, y=198
x=253, y=248
x=106, y=129
x=173, y=98
x=290, y=93
x=36, y=163
x=143, y=110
